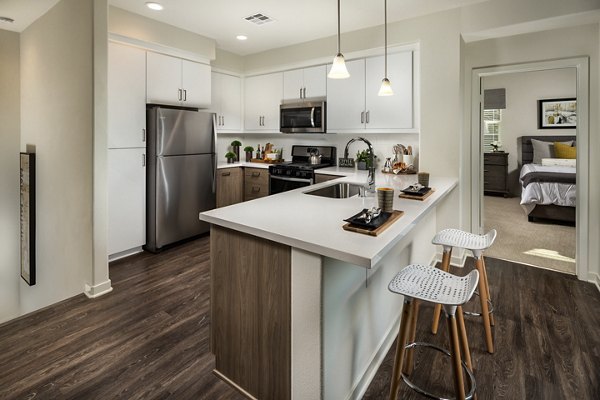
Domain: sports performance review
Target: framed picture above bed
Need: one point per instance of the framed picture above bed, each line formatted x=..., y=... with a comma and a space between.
x=557, y=113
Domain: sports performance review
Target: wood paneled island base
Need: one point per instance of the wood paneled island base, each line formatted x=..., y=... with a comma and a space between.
x=251, y=313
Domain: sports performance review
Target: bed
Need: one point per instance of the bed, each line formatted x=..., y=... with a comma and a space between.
x=548, y=192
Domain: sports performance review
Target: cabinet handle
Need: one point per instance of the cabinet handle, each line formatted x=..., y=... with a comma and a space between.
x=179, y=94
x=304, y=92
x=143, y=135
x=300, y=92
x=485, y=170
x=368, y=113
x=184, y=95
x=362, y=117
x=256, y=174
x=223, y=120
x=255, y=189
x=143, y=160
x=225, y=173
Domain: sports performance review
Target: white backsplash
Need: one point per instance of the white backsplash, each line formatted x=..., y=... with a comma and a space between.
x=382, y=143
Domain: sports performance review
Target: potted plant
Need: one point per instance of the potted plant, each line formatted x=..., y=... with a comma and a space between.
x=249, y=150
x=230, y=156
x=363, y=159
x=236, y=149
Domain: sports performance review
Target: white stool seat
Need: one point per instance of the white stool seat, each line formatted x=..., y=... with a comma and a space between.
x=465, y=240
x=434, y=285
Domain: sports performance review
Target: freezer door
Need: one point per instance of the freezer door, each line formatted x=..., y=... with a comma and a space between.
x=184, y=188
x=184, y=132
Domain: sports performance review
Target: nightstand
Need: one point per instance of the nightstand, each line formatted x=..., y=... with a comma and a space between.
x=495, y=173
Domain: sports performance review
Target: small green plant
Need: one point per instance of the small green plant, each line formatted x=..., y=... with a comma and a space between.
x=248, y=149
x=364, y=156
x=229, y=154
x=236, y=143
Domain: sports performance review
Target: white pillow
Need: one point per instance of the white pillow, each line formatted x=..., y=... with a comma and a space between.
x=559, y=162
x=543, y=149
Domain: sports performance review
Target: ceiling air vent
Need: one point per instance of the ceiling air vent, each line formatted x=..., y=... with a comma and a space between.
x=259, y=19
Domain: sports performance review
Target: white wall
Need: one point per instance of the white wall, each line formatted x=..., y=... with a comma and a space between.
x=9, y=175
x=523, y=90
x=57, y=117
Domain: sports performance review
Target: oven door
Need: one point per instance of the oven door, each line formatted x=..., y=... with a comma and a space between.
x=279, y=184
x=308, y=117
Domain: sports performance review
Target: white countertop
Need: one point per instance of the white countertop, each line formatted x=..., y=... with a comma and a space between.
x=223, y=164
x=314, y=223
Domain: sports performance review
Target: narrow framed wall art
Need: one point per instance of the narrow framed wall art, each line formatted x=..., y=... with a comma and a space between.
x=27, y=217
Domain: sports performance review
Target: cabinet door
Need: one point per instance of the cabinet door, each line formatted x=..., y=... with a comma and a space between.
x=126, y=199
x=196, y=82
x=256, y=183
x=230, y=186
x=315, y=81
x=387, y=112
x=126, y=96
x=263, y=96
x=293, y=82
x=163, y=79
x=217, y=94
x=231, y=103
x=346, y=99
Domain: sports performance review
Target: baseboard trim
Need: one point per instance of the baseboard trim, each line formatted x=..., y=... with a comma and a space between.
x=233, y=385
x=458, y=259
x=377, y=358
x=595, y=279
x=123, y=254
x=98, y=290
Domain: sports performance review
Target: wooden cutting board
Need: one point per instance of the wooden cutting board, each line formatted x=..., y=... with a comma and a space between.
x=375, y=232
x=413, y=197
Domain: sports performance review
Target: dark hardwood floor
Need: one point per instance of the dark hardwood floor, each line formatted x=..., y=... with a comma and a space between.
x=547, y=341
x=149, y=338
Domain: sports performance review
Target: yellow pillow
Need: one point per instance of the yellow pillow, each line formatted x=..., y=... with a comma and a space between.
x=564, y=151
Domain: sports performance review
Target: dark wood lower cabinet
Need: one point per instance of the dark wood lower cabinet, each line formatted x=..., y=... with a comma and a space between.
x=251, y=312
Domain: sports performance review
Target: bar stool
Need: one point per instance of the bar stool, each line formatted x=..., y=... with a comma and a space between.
x=423, y=283
x=449, y=238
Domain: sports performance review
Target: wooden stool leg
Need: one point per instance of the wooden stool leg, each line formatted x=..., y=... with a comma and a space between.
x=487, y=287
x=463, y=337
x=438, y=307
x=409, y=364
x=483, y=298
x=459, y=385
x=401, y=342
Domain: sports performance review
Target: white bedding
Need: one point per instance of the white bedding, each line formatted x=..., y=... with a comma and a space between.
x=561, y=194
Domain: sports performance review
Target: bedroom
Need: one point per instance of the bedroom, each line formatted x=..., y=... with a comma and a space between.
x=529, y=186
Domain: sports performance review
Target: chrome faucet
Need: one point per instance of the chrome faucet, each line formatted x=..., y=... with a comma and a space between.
x=371, y=166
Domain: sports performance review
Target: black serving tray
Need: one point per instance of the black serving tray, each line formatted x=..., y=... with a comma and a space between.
x=420, y=193
x=375, y=222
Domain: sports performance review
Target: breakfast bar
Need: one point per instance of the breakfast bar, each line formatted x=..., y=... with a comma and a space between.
x=300, y=307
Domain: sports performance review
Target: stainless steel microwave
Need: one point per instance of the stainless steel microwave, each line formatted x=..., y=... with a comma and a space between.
x=303, y=117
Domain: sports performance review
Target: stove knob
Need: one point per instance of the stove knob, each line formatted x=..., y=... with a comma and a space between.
x=288, y=172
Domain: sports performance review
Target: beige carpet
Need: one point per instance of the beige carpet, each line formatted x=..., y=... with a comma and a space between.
x=539, y=244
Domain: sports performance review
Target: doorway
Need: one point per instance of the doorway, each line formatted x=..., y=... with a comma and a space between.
x=544, y=257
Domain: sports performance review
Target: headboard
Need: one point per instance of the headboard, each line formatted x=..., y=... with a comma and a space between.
x=525, y=148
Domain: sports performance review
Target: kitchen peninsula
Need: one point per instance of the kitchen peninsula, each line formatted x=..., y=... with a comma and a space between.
x=299, y=307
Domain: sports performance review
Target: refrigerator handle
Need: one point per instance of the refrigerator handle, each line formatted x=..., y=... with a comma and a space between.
x=214, y=180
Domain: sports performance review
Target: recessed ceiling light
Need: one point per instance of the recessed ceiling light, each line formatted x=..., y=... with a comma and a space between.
x=6, y=19
x=154, y=6
x=241, y=37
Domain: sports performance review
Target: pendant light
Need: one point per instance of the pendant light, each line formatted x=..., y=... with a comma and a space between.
x=386, y=87
x=338, y=69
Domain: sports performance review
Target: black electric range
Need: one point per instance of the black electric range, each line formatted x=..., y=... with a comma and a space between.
x=299, y=172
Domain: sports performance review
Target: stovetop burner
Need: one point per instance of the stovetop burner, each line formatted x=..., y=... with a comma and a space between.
x=300, y=167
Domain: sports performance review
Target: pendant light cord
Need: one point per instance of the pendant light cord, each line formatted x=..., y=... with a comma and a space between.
x=385, y=35
x=338, y=6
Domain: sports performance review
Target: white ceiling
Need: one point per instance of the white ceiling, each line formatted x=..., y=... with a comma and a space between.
x=295, y=21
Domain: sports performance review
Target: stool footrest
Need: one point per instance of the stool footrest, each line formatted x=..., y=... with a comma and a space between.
x=470, y=376
x=478, y=314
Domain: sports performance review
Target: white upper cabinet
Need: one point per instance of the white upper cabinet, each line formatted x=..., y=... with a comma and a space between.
x=346, y=99
x=174, y=81
x=353, y=104
x=227, y=101
x=126, y=96
x=299, y=84
x=262, y=98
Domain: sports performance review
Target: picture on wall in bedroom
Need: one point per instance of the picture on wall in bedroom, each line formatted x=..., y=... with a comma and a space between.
x=557, y=113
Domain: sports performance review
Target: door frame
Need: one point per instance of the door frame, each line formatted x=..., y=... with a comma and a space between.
x=581, y=65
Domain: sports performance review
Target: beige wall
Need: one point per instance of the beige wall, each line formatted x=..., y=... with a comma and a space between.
x=57, y=120
x=523, y=90
x=9, y=175
x=560, y=43
x=138, y=27
x=227, y=61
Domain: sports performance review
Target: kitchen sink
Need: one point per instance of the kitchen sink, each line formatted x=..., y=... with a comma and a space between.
x=338, y=190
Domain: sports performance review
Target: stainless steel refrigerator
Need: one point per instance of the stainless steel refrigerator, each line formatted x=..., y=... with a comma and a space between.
x=181, y=173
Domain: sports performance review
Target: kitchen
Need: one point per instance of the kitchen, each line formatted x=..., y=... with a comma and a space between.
x=435, y=133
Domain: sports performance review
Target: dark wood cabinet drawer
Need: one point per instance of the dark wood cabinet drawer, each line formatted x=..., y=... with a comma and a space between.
x=495, y=159
x=495, y=173
x=256, y=183
x=230, y=186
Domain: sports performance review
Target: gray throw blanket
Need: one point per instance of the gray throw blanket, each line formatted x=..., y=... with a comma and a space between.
x=556, y=177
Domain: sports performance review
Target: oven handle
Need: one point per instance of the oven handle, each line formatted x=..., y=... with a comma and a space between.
x=312, y=117
x=310, y=181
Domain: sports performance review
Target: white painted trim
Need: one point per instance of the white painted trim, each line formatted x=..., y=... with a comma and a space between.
x=458, y=259
x=158, y=48
x=98, y=290
x=125, y=253
x=595, y=279
x=581, y=64
x=227, y=72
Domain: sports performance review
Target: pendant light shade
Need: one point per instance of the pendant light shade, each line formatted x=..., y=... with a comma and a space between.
x=338, y=69
x=386, y=86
